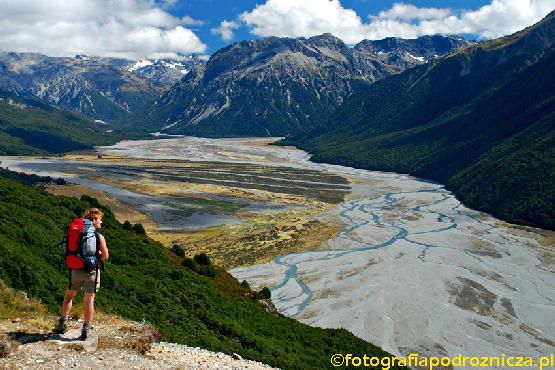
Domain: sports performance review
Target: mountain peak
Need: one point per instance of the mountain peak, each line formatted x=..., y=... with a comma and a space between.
x=325, y=37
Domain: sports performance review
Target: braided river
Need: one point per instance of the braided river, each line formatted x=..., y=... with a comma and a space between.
x=413, y=271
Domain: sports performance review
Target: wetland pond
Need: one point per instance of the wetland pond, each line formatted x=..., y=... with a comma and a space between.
x=411, y=269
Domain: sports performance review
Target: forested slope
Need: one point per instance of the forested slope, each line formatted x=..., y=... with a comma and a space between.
x=144, y=281
x=480, y=120
x=33, y=127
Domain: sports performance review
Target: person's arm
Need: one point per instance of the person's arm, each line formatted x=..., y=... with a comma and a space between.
x=103, y=249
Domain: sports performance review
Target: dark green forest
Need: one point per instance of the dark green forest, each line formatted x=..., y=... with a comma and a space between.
x=30, y=126
x=145, y=281
x=481, y=121
x=33, y=127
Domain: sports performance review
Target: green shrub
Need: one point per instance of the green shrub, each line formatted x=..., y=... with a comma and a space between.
x=208, y=270
x=139, y=229
x=92, y=201
x=245, y=284
x=266, y=293
x=178, y=251
x=190, y=264
x=202, y=259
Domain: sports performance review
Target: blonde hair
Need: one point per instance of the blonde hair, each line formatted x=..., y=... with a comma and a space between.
x=92, y=214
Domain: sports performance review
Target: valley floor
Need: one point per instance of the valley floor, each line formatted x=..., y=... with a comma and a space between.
x=396, y=260
x=238, y=213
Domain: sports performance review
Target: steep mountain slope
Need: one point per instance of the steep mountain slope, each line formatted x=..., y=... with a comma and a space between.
x=277, y=86
x=480, y=120
x=33, y=127
x=144, y=281
x=101, y=88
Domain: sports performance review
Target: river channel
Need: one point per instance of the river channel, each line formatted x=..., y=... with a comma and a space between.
x=413, y=271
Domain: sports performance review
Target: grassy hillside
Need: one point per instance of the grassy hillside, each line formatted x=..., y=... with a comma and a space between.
x=481, y=121
x=145, y=281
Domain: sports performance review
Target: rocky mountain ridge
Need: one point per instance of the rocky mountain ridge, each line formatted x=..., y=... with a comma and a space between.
x=403, y=52
x=289, y=83
x=277, y=86
x=101, y=88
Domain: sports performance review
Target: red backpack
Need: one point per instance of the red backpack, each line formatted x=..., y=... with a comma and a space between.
x=81, y=245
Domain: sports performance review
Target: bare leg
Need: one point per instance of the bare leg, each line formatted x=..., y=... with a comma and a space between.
x=89, y=307
x=68, y=300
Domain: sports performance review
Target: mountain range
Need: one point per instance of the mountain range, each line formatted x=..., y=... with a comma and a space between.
x=480, y=120
x=313, y=77
x=279, y=86
x=104, y=89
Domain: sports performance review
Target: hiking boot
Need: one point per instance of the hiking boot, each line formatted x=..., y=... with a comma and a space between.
x=61, y=328
x=84, y=333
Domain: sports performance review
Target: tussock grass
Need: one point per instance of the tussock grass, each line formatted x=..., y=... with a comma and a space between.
x=18, y=304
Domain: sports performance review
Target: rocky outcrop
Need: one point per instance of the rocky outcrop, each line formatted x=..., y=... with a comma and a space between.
x=123, y=344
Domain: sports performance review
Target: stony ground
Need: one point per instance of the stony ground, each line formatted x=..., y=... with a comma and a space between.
x=122, y=344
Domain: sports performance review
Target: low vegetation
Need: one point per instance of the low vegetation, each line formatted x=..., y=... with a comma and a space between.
x=257, y=241
x=285, y=223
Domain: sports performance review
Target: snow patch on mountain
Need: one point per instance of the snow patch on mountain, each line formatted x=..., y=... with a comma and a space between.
x=140, y=64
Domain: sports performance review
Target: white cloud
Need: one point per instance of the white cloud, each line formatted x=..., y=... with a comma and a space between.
x=293, y=18
x=226, y=30
x=119, y=28
x=168, y=4
x=190, y=21
x=408, y=12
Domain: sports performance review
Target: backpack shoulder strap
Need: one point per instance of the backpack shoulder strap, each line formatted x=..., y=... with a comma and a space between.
x=100, y=261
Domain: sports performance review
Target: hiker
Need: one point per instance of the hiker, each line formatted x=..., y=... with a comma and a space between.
x=81, y=277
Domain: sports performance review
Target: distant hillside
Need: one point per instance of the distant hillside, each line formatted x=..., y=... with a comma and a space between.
x=278, y=86
x=101, y=88
x=480, y=120
x=33, y=127
x=144, y=281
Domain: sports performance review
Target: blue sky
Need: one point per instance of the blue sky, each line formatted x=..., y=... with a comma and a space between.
x=213, y=12
x=137, y=29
